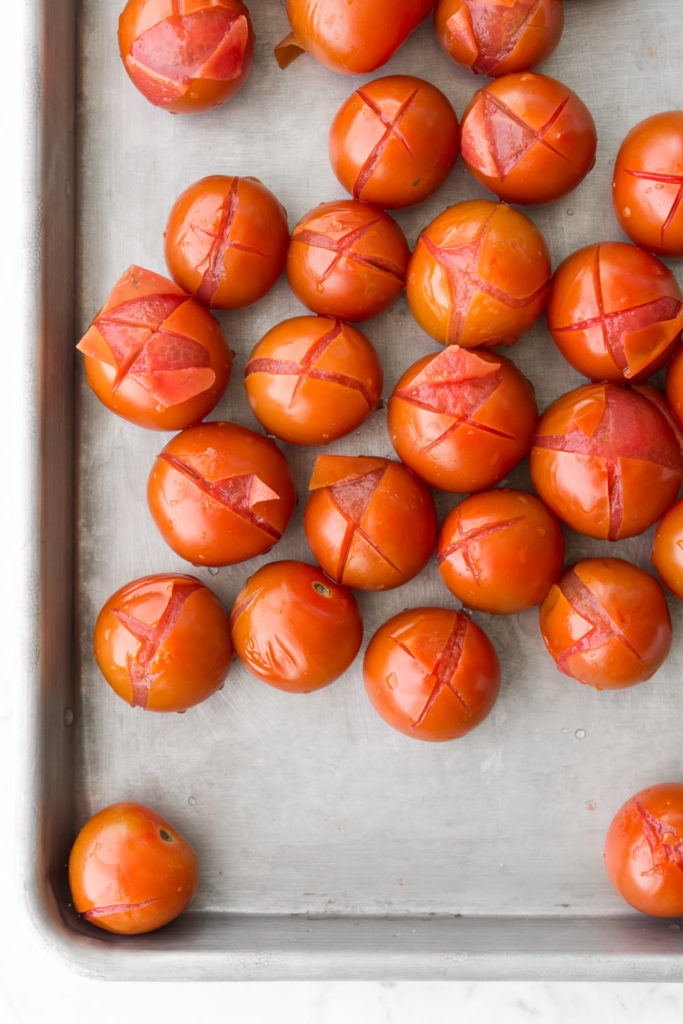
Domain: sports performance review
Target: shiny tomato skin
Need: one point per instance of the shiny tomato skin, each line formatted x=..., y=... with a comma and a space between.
x=674, y=387
x=497, y=39
x=644, y=850
x=431, y=673
x=606, y=623
x=394, y=141
x=605, y=461
x=154, y=355
x=479, y=275
x=220, y=494
x=500, y=551
x=347, y=259
x=528, y=138
x=648, y=184
x=313, y=379
x=615, y=311
x=667, y=548
x=162, y=642
x=187, y=60
x=369, y=521
x=461, y=419
x=294, y=628
x=226, y=240
x=129, y=861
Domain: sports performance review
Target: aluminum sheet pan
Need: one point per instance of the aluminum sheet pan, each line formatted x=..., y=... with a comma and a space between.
x=330, y=846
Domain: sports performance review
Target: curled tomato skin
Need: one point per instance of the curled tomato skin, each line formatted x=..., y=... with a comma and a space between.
x=644, y=850
x=431, y=673
x=394, y=141
x=226, y=240
x=130, y=871
x=154, y=355
x=163, y=642
x=667, y=548
x=186, y=57
x=674, y=387
x=606, y=623
x=294, y=628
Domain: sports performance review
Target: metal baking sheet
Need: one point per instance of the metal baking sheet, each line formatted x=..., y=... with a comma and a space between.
x=330, y=846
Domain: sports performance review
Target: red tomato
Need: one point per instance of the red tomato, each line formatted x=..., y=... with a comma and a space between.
x=674, y=387
x=606, y=623
x=226, y=241
x=654, y=395
x=462, y=419
x=347, y=259
x=313, y=379
x=614, y=311
x=220, y=494
x=431, y=673
x=606, y=461
x=667, y=548
x=644, y=850
x=528, y=138
x=348, y=36
x=500, y=551
x=394, y=141
x=294, y=628
x=155, y=356
x=186, y=55
x=130, y=871
x=647, y=187
x=163, y=642
x=370, y=523
x=500, y=37
x=479, y=275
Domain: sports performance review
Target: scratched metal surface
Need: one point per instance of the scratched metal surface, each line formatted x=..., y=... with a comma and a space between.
x=312, y=805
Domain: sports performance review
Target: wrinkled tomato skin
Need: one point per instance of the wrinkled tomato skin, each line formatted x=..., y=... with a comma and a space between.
x=394, y=141
x=500, y=141
x=500, y=39
x=220, y=494
x=462, y=419
x=431, y=674
x=226, y=241
x=121, y=863
x=667, y=548
x=177, y=383
x=479, y=275
x=294, y=628
x=191, y=74
x=162, y=642
x=648, y=183
x=313, y=379
x=500, y=551
x=614, y=311
x=654, y=395
x=606, y=623
x=644, y=850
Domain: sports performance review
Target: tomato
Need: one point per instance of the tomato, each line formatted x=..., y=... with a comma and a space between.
x=154, y=355
x=186, y=55
x=644, y=850
x=226, y=241
x=654, y=395
x=462, y=419
x=500, y=37
x=220, y=494
x=294, y=628
x=605, y=461
x=479, y=275
x=431, y=673
x=349, y=36
x=606, y=623
x=614, y=311
x=394, y=141
x=647, y=186
x=500, y=551
x=370, y=523
x=163, y=642
x=674, y=387
x=312, y=379
x=347, y=259
x=667, y=548
x=130, y=871
x=528, y=138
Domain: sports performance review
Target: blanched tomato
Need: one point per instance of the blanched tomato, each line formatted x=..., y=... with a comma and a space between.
x=667, y=548
x=674, y=387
